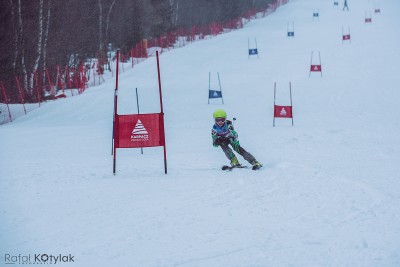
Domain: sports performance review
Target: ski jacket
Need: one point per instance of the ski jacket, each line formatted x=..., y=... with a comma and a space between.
x=225, y=132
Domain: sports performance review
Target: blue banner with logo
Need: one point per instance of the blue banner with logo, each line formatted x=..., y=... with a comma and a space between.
x=214, y=94
x=253, y=51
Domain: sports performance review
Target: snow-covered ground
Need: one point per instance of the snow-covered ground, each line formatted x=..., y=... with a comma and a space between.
x=329, y=192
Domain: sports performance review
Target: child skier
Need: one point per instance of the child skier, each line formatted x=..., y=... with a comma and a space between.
x=345, y=6
x=223, y=134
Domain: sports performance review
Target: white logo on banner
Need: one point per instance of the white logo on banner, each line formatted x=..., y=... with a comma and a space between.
x=139, y=133
x=316, y=67
x=283, y=112
x=215, y=94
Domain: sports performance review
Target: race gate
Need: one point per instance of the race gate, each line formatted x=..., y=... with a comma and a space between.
x=253, y=50
x=283, y=111
x=138, y=130
x=213, y=93
x=316, y=65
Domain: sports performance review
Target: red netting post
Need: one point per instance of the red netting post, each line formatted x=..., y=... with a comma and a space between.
x=5, y=100
x=291, y=102
x=37, y=87
x=67, y=76
x=132, y=57
x=21, y=95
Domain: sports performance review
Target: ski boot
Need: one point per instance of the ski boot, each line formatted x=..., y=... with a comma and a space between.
x=256, y=165
x=235, y=163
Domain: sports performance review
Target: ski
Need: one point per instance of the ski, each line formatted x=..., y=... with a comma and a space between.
x=229, y=168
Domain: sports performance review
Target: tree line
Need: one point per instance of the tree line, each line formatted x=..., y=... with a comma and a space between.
x=36, y=34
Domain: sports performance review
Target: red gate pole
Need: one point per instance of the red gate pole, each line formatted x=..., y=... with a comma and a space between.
x=20, y=94
x=5, y=99
x=115, y=114
x=274, y=102
x=291, y=103
x=162, y=112
x=138, y=110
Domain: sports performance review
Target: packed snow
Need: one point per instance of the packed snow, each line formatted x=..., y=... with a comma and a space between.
x=329, y=191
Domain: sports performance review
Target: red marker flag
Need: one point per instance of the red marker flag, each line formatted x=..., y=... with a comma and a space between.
x=139, y=130
x=283, y=111
x=316, y=68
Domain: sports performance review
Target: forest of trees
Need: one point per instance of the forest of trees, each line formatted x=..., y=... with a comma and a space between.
x=35, y=34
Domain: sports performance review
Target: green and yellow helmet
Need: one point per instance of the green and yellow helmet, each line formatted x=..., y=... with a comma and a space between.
x=219, y=113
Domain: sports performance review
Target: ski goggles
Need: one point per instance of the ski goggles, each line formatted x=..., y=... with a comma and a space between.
x=220, y=120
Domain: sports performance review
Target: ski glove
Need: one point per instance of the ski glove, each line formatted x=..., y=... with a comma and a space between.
x=219, y=140
x=236, y=145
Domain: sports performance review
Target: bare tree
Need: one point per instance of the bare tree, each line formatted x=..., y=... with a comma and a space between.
x=108, y=20
x=36, y=34
x=15, y=33
x=46, y=37
x=22, y=46
x=39, y=42
x=100, y=25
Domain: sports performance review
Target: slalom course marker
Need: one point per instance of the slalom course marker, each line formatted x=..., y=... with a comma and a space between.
x=290, y=30
x=368, y=19
x=335, y=3
x=315, y=66
x=346, y=35
x=316, y=14
x=283, y=111
x=138, y=130
x=254, y=50
x=212, y=94
x=377, y=9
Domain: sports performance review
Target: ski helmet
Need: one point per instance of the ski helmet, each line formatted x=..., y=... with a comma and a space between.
x=219, y=113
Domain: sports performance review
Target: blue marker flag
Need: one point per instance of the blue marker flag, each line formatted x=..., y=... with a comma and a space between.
x=253, y=51
x=214, y=94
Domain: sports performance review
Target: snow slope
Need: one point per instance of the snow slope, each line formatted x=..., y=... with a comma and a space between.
x=329, y=192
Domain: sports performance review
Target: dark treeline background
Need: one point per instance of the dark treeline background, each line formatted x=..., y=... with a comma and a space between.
x=35, y=34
